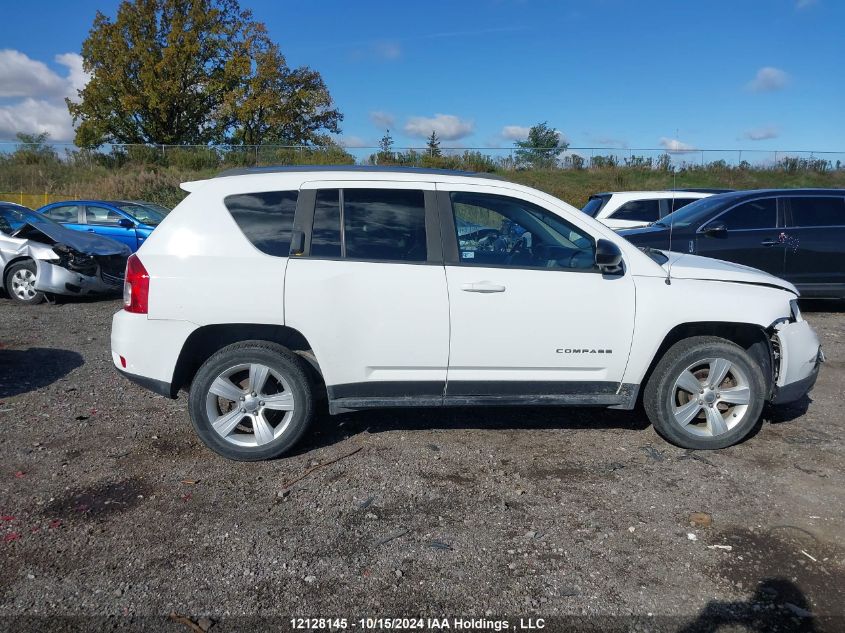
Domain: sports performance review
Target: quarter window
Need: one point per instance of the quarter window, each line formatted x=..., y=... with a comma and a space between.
x=497, y=230
x=817, y=211
x=756, y=214
x=638, y=210
x=266, y=219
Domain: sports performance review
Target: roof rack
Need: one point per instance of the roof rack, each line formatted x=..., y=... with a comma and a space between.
x=281, y=169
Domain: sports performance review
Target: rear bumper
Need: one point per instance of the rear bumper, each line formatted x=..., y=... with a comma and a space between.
x=800, y=356
x=157, y=386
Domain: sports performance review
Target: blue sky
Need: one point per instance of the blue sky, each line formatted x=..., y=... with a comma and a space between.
x=764, y=74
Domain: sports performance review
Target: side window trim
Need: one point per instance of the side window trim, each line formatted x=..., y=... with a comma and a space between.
x=778, y=219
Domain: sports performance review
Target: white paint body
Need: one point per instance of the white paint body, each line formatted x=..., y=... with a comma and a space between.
x=620, y=198
x=369, y=322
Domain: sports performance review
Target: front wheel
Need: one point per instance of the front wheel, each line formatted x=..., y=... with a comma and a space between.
x=20, y=283
x=705, y=393
x=251, y=401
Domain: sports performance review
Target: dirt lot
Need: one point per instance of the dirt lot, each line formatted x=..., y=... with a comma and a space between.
x=112, y=507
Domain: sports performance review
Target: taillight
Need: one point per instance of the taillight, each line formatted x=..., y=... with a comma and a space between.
x=136, y=286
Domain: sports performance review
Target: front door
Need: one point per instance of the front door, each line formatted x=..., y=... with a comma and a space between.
x=532, y=318
x=752, y=236
x=106, y=221
x=369, y=292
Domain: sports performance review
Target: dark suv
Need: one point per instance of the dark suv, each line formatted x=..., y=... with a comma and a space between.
x=796, y=234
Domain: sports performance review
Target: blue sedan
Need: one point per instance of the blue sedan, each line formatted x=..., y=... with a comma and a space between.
x=128, y=222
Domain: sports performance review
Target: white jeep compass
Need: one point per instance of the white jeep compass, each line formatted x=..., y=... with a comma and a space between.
x=266, y=289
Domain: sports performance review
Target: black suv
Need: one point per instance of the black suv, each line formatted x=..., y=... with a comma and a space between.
x=796, y=234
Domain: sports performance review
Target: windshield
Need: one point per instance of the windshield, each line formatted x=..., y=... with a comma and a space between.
x=594, y=205
x=12, y=218
x=142, y=212
x=692, y=214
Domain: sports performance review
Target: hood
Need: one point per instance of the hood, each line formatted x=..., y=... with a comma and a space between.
x=685, y=266
x=88, y=243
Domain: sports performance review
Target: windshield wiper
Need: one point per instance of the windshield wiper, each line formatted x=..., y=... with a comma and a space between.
x=660, y=223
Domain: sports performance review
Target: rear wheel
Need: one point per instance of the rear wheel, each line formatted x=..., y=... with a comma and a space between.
x=20, y=283
x=251, y=401
x=705, y=393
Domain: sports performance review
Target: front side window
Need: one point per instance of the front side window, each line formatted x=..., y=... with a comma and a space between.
x=756, y=214
x=377, y=224
x=266, y=219
x=495, y=230
x=63, y=213
x=817, y=211
x=102, y=215
x=639, y=211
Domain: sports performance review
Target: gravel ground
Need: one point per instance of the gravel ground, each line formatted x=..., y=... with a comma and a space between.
x=111, y=508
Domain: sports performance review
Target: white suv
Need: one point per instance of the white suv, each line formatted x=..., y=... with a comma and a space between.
x=632, y=209
x=268, y=289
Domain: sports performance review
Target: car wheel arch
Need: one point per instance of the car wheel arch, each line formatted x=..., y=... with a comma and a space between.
x=203, y=342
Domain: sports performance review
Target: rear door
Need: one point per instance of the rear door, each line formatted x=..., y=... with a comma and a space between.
x=752, y=236
x=71, y=215
x=368, y=291
x=104, y=220
x=814, y=240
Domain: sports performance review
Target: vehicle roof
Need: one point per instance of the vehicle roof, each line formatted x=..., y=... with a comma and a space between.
x=734, y=196
x=374, y=169
x=653, y=193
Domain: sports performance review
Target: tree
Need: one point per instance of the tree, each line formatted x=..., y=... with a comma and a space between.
x=433, y=144
x=34, y=149
x=385, y=148
x=194, y=71
x=541, y=148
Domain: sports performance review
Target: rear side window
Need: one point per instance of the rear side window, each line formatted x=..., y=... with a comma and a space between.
x=756, y=214
x=677, y=203
x=266, y=219
x=325, y=233
x=638, y=210
x=817, y=211
x=594, y=205
x=64, y=213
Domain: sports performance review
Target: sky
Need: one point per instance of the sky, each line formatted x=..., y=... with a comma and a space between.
x=676, y=74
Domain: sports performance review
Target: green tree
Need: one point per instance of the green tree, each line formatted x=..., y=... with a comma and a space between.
x=193, y=71
x=385, y=146
x=34, y=149
x=541, y=148
x=433, y=144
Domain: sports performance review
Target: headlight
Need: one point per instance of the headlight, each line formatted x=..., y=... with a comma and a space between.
x=795, y=310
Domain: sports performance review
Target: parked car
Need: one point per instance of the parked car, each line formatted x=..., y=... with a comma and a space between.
x=797, y=234
x=383, y=287
x=629, y=209
x=39, y=257
x=124, y=221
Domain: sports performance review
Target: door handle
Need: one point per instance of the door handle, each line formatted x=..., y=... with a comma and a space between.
x=769, y=243
x=482, y=286
x=90, y=230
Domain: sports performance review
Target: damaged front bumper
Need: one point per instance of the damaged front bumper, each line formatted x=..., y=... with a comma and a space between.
x=54, y=279
x=798, y=356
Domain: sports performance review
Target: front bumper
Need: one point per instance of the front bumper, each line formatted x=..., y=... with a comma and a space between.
x=799, y=356
x=57, y=280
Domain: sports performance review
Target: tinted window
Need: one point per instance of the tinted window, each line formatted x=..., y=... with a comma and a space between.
x=757, y=214
x=639, y=210
x=594, y=205
x=818, y=211
x=266, y=219
x=325, y=232
x=501, y=231
x=64, y=213
x=384, y=224
x=677, y=203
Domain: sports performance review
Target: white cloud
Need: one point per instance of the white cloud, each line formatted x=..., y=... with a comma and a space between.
x=610, y=141
x=34, y=94
x=382, y=120
x=804, y=4
x=761, y=133
x=515, y=132
x=448, y=127
x=768, y=79
x=354, y=141
x=387, y=50
x=35, y=116
x=674, y=145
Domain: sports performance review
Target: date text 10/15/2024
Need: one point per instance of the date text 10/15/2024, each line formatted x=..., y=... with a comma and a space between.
x=416, y=624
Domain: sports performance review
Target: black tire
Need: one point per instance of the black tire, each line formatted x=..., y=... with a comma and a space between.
x=661, y=392
x=26, y=265
x=278, y=359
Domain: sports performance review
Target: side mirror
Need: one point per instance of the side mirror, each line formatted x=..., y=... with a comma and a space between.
x=126, y=223
x=716, y=229
x=608, y=256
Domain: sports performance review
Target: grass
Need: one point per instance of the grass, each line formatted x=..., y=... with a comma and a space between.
x=48, y=179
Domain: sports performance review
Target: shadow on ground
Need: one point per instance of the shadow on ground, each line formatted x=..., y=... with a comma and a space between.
x=27, y=370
